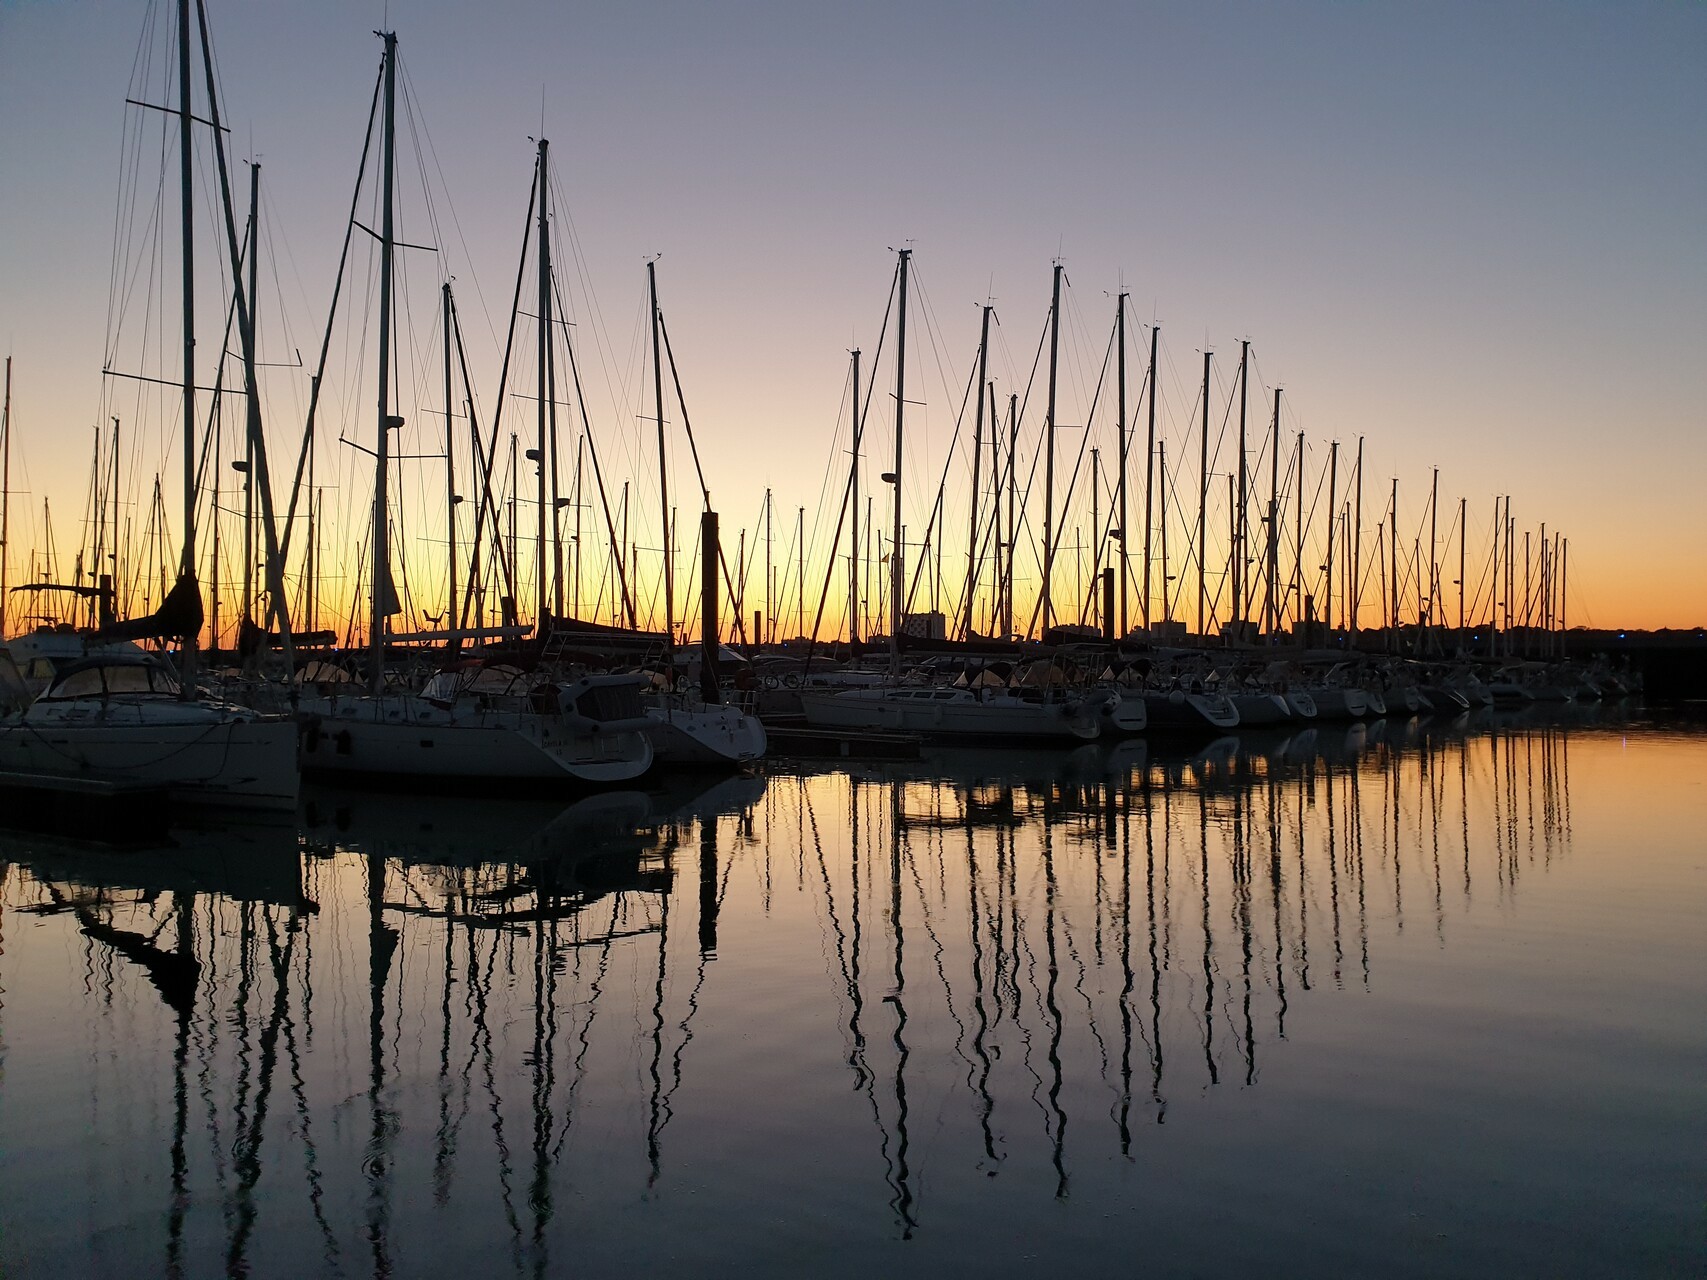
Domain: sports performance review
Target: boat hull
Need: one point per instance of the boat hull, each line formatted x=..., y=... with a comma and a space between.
x=409, y=740
x=707, y=736
x=242, y=763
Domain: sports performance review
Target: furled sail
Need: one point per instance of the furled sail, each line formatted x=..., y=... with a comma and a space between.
x=178, y=617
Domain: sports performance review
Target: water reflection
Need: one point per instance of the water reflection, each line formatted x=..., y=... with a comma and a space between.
x=410, y=1017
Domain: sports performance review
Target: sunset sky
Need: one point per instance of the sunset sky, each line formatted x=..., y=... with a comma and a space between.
x=1472, y=234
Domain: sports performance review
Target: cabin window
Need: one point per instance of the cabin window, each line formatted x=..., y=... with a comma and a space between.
x=138, y=679
x=79, y=684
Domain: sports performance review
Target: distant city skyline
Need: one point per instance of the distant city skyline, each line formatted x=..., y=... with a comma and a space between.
x=1470, y=234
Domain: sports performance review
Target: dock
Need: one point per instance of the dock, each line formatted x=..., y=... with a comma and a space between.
x=109, y=810
x=799, y=740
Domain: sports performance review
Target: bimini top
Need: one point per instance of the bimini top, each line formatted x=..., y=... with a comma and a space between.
x=117, y=674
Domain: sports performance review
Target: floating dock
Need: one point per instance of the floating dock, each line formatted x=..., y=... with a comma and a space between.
x=113, y=811
x=801, y=741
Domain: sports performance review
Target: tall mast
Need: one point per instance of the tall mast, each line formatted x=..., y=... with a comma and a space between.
x=1499, y=579
x=1049, y=449
x=800, y=573
x=1463, y=532
x=1013, y=495
x=186, y=173
x=380, y=587
x=541, y=452
x=977, y=456
x=1096, y=540
x=113, y=494
x=249, y=439
x=1150, y=475
x=1167, y=596
x=1298, y=545
x=896, y=551
x=1125, y=435
x=1393, y=569
x=770, y=574
x=1357, y=548
x=1528, y=588
x=1433, y=548
x=450, y=475
x=1239, y=603
x=1272, y=602
x=663, y=470
x=1203, y=510
x=853, y=511
x=1333, y=489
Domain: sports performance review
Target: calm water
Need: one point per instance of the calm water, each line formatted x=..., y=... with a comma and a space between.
x=1427, y=1000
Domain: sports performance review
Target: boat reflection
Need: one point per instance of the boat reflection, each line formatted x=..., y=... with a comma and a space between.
x=412, y=1007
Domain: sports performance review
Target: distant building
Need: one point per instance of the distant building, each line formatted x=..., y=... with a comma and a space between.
x=927, y=626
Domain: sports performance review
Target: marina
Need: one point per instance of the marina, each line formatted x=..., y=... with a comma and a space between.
x=717, y=642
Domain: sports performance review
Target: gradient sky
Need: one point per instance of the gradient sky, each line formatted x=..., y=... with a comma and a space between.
x=1474, y=234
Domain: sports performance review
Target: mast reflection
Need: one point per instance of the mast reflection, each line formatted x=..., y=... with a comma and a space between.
x=410, y=1011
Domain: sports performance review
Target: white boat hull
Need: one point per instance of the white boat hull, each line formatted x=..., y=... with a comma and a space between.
x=248, y=763
x=714, y=735
x=406, y=738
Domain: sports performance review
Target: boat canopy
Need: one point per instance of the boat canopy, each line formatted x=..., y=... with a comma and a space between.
x=109, y=674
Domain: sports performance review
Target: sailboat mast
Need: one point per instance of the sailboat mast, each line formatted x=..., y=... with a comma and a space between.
x=450, y=475
x=380, y=585
x=853, y=510
x=1393, y=568
x=543, y=261
x=769, y=629
x=1013, y=495
x=1298, y=544
x=248, y=439
x=1167, y=596
x=1049, y=449
x=1125, y=438
x=186, y=174
x=1272, y=603
x=663, y=470
x=1333, y=489
x=897, y=554
x=1356, y=555
x=1463, y=532
x=1433, y=547
x=1203, y=510
x=1239, y=602
x=1096, y=540
x=977, y=458
x=113, y=494
x=1150, y=475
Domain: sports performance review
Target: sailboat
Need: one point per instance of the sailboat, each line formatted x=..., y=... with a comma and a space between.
x=119, y=714
x=982, y=708
x=586, y=732
x=688, y=727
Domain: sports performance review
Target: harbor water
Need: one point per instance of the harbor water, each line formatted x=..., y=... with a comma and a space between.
x=1417, y=998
